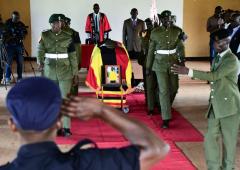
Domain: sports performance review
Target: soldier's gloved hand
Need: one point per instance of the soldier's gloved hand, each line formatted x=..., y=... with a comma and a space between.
x=143, y=34
x=75, y=80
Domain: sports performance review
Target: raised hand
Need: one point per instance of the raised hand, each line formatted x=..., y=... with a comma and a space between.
x=82, y=107
x=177, y=69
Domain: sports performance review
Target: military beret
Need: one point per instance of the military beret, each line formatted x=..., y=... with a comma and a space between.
x=166, y=13
x=34, y=103
x=67, y=20
x=220, y=34
x=53, y=18
x=62, y=17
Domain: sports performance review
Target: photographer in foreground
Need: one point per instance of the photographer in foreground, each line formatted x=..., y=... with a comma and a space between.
x=35, y=116
x=16, y=32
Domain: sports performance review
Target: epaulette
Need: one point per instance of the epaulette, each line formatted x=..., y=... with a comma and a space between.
x=46, y=30
x=176, y=27
x=68, y=32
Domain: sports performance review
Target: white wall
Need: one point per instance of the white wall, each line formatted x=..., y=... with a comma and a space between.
x=77, y=10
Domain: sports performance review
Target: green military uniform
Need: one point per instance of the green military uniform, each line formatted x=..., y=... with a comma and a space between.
x=150, y=81
x=57, y=52
x=223, y=112
x=77, y=44
x=165, y=49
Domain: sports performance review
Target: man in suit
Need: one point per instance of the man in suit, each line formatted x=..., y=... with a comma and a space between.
x=235, y=37
x=235, y=40
x=132, y=27
x=57, y=58
x=224, y=109
x=97, y=26
x=165, y=49
x=15, y=34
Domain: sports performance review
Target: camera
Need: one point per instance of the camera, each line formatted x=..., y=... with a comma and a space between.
x=221, y=14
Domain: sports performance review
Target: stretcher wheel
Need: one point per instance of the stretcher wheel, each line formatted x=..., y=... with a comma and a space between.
x=125, y=110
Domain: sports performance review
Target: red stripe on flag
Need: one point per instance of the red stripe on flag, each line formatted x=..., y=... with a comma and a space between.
x=91, y=79
x=122, y=60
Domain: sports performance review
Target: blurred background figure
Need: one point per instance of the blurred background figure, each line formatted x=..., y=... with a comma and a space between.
x=16, y=32
x=97, y=26
x=214, y=23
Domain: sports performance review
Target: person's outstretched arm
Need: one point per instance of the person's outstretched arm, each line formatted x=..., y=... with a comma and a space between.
x=152, y=148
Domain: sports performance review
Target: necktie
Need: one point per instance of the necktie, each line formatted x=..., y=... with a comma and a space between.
x=134, y=23
x=96, y=23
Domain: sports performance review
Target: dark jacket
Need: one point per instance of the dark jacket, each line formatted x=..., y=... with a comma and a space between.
x=47, y=156
x=235, y=42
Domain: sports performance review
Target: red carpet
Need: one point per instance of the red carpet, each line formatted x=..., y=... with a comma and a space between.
x=105, y=136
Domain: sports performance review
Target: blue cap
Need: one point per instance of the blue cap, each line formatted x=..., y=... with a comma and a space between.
x=34, y=103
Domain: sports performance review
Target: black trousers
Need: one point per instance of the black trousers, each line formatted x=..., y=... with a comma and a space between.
x=133, y=54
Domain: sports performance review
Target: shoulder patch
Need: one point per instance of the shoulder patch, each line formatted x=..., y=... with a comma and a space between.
x=177, y=28
x=46, y=30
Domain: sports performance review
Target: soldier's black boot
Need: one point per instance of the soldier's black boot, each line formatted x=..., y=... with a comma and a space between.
x=67, y=132
x=150, y=112
x=60, y=132
x=165, y=124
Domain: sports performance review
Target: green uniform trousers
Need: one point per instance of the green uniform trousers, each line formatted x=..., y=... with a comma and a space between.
x=227, y=128
x=65, y=88
x=152, y=91
x=168, y=87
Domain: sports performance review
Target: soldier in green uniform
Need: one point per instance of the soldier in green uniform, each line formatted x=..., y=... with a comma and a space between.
x=224, y=109
x=77, y=44
x=150, y=81
x=165, y=49
x=57, y=58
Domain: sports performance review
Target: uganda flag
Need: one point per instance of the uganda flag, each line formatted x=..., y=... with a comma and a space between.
x=113, y=54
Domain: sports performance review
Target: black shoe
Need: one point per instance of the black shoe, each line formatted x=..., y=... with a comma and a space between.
x=67, y=132
x=165, y=124
x=60, y=132
x=150, y=112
